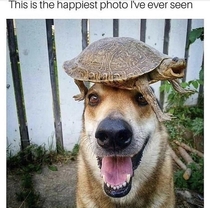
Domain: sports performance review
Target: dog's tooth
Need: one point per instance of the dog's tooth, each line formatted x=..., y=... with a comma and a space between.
x=114, y=187
x=108, y=185
x=124, y=184
x=104, y=179
x=128, y=178
x=117, y=187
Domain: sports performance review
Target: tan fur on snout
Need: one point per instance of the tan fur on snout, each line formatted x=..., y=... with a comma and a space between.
x=152, y=183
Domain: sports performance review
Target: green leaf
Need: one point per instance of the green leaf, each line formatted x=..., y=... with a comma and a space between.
x=170, y=97
x=195, y=34
x=201, y=74
x=75, y=150
x=184, y=84
x=195, y=84
x=168, y=87
x=162, y=88
x=171, y=110
x=200, y=82
x=53, y=167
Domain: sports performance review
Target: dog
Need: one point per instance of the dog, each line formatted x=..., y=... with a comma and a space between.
x=124, y=158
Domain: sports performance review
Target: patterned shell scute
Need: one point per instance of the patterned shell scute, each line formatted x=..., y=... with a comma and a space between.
x=114, y=59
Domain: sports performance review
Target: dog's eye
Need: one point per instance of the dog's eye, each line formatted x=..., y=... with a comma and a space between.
x=93, y=99
x=141, y=100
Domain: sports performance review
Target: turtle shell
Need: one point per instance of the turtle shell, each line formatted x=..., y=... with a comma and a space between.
x=114, y=59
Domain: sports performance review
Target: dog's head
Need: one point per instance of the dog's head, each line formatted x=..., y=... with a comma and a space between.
x=118, y=125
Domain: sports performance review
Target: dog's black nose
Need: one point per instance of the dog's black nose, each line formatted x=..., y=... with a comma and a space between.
x=113, y=134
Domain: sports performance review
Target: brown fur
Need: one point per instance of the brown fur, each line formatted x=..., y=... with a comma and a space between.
x=152, y=184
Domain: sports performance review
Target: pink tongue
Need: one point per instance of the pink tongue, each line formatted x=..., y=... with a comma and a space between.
x=115, y=169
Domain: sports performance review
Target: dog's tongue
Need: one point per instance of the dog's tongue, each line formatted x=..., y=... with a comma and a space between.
x=116, y=169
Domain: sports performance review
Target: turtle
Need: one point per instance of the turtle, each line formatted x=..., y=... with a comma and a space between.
x=126, y=63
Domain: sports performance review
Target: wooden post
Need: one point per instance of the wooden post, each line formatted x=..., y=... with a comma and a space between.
x=115, y=28
x=85, y=39
x=143, y=29
x=186, y=55
x=165, y=51
x=16, y=75
x=85, y=35
x=54, y=85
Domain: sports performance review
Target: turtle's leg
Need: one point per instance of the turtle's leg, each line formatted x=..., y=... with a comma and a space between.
x=176, y=85
x=83, y=90
x=143, y=87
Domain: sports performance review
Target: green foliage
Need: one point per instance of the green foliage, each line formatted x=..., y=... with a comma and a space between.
x=201, y=75
x=28, y=160
x=195, y=34
x=31, y=160
x=53, y=167
x=196, y=181
x=174, y=99
x=25, y=163
x=28, y=195
x=29, y=199
x=197, y=126
x=75, y=150
x=190, y=117
x=187, y=118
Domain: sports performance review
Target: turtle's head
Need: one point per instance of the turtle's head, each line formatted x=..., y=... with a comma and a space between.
x=178, y=66
x=169, y=69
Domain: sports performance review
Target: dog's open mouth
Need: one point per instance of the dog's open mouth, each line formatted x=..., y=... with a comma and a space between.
x=117, y=173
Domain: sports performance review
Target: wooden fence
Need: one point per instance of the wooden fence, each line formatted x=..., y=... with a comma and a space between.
x=40, y=108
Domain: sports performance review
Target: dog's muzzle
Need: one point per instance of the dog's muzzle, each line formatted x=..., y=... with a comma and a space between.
x=114, y=135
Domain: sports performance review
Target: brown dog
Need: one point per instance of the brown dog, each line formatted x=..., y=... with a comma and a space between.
x=124, y=158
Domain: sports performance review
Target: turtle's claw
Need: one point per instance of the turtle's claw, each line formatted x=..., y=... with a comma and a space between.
x=83, y=90
x=79, y=97
x=163, y=116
